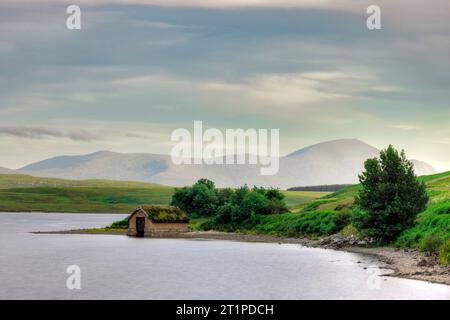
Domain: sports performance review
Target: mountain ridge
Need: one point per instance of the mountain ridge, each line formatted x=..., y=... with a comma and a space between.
x=330, y=162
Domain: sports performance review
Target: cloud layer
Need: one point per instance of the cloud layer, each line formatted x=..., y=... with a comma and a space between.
x=309, y=68
x=44, y=132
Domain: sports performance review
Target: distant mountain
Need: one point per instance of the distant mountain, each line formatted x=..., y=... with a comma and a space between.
x=332, y=162
x=422, y=168
x=6, y=170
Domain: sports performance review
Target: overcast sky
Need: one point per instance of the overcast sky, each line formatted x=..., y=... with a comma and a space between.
x=139, y=69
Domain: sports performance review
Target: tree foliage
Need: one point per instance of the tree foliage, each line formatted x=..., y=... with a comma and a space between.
x=230, y=209
x=201, y=199
x=390, y=197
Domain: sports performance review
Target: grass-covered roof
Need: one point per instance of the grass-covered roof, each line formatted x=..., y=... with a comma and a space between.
x=159, y=213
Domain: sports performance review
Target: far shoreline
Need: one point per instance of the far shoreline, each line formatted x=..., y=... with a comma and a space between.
x=405, y=263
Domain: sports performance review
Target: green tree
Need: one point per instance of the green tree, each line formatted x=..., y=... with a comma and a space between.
x=201, y=199
x=275, y=203
x=274, y=194
x=224, y=196
x=204, y=200
x=253, y=203
x=182, y=198
x=390, y=196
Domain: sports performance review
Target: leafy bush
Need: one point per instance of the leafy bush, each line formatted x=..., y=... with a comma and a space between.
x=431, y=243
x=253, y=202
x=342, y=219
x=444, y=253
x=390, y=197
x=224, y=195
x=274, y=206
x=120, y=224
x=244, y=206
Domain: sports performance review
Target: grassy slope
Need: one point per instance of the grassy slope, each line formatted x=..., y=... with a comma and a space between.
x=316, y=217
x=297, y=198
x=27, y=193
x=436, y=218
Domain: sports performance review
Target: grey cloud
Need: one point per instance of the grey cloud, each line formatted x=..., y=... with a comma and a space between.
x=35, y=132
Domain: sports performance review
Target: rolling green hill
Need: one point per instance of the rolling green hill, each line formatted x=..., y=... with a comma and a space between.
x=438, y=186
x=322, y=216
x=27, y=193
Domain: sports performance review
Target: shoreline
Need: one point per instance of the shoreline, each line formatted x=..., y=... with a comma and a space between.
x=405, y=263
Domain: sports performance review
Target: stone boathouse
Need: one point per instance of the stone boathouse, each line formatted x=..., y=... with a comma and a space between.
x=157, y=221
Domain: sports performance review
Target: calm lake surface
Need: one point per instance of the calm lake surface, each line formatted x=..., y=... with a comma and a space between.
x=33, y=266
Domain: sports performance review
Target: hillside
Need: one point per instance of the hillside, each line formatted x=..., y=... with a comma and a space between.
x=27, y=193
x=438, y=186
x=320, y=214
x=20, y=192
x=332, y=162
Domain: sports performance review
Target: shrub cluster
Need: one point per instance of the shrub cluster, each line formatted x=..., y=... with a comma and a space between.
x=229, y=209
x=120, y=224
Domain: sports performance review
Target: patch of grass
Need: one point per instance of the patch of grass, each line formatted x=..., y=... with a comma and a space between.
x=345, y=193
x=444, y=253
x=434, y=221
x=318, y=223
x=295, y=198
x=431, y=243
x=349, y=231
x=105, y=230
x=430, y=179
x=195, y=224
x=314, y=205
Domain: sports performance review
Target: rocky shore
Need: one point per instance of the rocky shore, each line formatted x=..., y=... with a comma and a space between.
x=405, y=263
